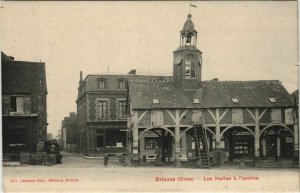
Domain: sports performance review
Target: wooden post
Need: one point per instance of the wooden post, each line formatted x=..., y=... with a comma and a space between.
x=278, y=147
x=218, y=130
x=264, y=147
x=256, y=137
x=163, y=145
x=296, y=142
x=177, y=139
x=135, y=137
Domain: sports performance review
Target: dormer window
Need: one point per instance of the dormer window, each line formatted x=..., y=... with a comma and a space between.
x=101, y=83
x=235, y=100
x=196, y=101
x=122, y=84
x=155, y=101
x=272, y=100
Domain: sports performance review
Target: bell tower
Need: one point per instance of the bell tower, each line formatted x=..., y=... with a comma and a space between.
x=187, y=63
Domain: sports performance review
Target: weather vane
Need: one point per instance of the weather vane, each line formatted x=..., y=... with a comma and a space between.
x=192, y=5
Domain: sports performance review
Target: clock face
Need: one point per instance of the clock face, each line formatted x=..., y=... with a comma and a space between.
x=177, y=59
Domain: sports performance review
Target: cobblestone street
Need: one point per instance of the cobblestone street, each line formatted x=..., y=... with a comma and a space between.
x=89, y=175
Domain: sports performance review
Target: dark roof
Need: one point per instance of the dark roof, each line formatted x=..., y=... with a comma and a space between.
x=248, y=93
x=211, y=94
x=111, y=81
x=19, y=77
x=5, y=57
x=188, y=25
x=169, y=96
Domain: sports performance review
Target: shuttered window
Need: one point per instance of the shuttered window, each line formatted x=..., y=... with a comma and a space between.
x=289, y=116
x=197, y=116
x=237, y=116
x=17, y=104
x=276, y=115
x=156, y=118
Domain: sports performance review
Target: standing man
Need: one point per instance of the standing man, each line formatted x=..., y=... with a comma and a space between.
x=105, y=161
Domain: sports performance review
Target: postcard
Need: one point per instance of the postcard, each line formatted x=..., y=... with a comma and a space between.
x=142, y=96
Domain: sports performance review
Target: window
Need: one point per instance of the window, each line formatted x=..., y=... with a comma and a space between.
x=276, y=115
x=197, y=116
x=196, y=101
x=156, y=118
x=100, y=141
x=235, y=100
x=16, y=104
x=121, y=84
x=102, y=107
x=155, y=101
x=289, y=116
x=272, y=100
x=101, y=83
x=122, y=109
x=190, y=67
x=237, y=116
x=152, y=143
x=115, y=138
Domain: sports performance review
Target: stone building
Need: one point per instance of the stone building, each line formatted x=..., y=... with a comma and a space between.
x=69, y=134
x=24, y=104
x=244, y=119
x=101, y=112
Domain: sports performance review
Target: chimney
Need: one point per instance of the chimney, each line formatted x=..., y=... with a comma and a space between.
x=81, y=76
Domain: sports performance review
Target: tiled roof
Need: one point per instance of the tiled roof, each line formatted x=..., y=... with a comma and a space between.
x=248, y=93
x=23, y=77
x=169, y=96
x=111, y=81
x=211, y=94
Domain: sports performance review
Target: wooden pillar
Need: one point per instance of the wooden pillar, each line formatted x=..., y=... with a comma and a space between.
x=135, y=135
x=183, y=146
x=256, y=137
x=87, y=140
x=296, y=142
x=163, y=145
x=277, y=147
x=177, y=139
x=264, y=147
x=218, y=130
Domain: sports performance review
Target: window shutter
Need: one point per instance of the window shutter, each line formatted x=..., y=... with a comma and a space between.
x=6, y=104
x=27, y=104
x=276, y=115
x=156, y=118
x=237, y=116
x=20, y=104
x=289, y=116
x=197, y=116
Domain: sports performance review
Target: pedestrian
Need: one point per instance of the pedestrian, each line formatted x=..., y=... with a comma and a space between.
x=105, y=161
x=158, y=158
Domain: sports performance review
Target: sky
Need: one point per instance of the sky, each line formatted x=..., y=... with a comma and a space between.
x=240, y=40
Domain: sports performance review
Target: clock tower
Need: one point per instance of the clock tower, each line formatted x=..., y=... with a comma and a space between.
x=187, y=58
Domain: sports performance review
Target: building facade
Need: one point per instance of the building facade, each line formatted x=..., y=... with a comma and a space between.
x=101, y=111
x=24, y=104
x=243, y=119
x=69, y=133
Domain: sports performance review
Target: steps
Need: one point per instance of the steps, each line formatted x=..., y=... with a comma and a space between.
x=201, y=145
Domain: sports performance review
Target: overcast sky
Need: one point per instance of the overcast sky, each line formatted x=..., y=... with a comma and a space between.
x=239, y=40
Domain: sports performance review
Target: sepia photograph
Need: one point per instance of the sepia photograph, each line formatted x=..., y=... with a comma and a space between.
x=149, y=96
